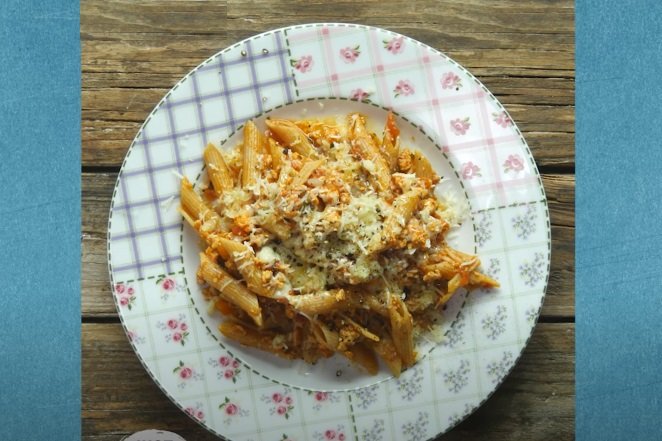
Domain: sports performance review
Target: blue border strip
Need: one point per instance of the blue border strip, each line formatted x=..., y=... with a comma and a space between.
x=40, y=395
x=619, y=220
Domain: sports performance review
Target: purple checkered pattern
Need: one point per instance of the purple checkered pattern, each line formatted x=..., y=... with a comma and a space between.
x=207, y=106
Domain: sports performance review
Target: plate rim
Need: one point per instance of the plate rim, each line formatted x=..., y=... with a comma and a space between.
x=535, y=171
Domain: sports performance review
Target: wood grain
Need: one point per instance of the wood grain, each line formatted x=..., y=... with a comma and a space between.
x=116, y=390
x=134, y=52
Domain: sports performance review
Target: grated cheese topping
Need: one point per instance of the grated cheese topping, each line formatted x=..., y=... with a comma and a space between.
x=335, y=221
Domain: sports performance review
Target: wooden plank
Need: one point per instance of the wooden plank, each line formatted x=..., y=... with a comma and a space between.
x=536, y=401
x=166, y=16
x=98, y=189
x=133, y=53
x=239, y=17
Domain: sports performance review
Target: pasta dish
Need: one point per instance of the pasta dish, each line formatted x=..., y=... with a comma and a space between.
x=322, y=237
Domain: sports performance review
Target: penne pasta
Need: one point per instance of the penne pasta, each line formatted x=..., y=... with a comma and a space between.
x=250, y=168
x=291, y=136
x=277, y=227
x=259, y=339
x=230, y=289
x=367, y=151
x=194, y=207
x=323, y=238
x=362, y=356
x=386, y=350
x=414, y=162
x=317, y=303
x=305, y=172
x=459, y=269
x=325, y=336
x=244, y=261
x=277, y=156
x=403, y=208
x=402, y=328
x=391, y=143
x=217, y=169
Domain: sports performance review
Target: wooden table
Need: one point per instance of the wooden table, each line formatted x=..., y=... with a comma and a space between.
x=132, y=53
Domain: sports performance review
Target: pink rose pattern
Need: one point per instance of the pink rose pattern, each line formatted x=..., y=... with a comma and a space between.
x=196, y=412
x=513, y=163
x=186, y=374
x=280, y=403
x=404, y=88
x=349, y=55
x=470, y=170
x=323, y=398
x=135, y=338
x=228, y=367
x=395, y=45
x=460, y=126
x=360, y=95
x=502, y=119
x=125, y=295
x=303, y=64
x=175, y=329
x=336, y=433
x=168, y=286
x=231, y=411
x=451, y=81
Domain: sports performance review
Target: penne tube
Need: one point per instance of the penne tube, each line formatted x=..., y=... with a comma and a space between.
x=259, y=339
x=277, y=156
x=291, y=136
x=317, y=303
x=456, y=277
x=403, y=208
x=438, y=271
x=277, y=227
x=386, y=350
x=423, y=169
x=443, y=298
x=414, y=162
x=250, y=168
x=230, y=289
x=371, y=158
x=217, y=169
x=243, y=259
x=203, y=219
x=365, y=333
x=193, y=205
x=402, y=330
x=391, y=143
x=305, y=172
x=363, y=356
x=356, y=299
x=477, y=278
x=324, y=336
x=300, y=329
x=314, y=345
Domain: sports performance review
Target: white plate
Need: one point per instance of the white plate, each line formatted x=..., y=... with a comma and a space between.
x=313, y=70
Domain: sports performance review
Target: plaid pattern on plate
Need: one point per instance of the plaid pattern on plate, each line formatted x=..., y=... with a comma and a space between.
x=206, y=106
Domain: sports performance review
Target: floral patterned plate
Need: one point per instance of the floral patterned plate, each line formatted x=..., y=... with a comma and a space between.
x=317, y=69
